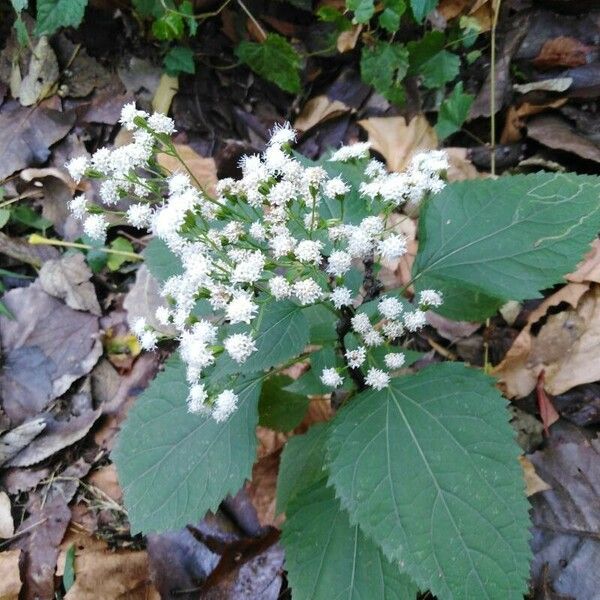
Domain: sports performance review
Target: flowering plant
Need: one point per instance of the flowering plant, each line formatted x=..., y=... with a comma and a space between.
x=414, y=484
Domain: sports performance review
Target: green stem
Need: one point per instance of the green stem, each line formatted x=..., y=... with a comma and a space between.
x=36, y=239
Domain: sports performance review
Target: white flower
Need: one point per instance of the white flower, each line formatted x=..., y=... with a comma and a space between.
x=275, y=159
x=128, y=114
x=160, y=123
x=78, y=206
x=280, y=288
x=361, y=323
x=239, y=346
x=338, y=232
x=109, y=192
x=314, y=176
x=281, y=244
x=394, y=246
x=377, y=379
x=148, y=340
x=390, y=307
x=307, y=291
x=339, y=263
x=139, y=215
x=355, y=151
x=341, y=296
x=375, y=169
x=309, y=251
x=336, y=187
x=178, y=183
x=233, y=231
x=282, y=134
x=394, y=360
x=163, y=315
x=393, y=329
x=77, y=167
x=372, y=225
x=355, y=358
x=196, y=398
x=249, y=268
x=331, y=378
x=281, y=193
x=96, y=226
x=257, y=231
x=241, y=309
x=431, y=298
x=102, y=160
x=373, y=338
x=360, y=243
x=225, y=404
x=139, y=326
x=431, y=162
x=414, y=320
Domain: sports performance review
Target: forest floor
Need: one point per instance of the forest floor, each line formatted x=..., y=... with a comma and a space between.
x=63, y=527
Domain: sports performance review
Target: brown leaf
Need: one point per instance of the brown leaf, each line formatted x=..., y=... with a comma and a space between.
x=548, y=413
x=347, y=39
x=515, y=118
x=262, y=489
x=562, y=51
x=533, y=482
x=27, y=134
x=397, y=273
x=396, y=140
x=68, y=279
x=203, y=169
x=10, y=576
x=317, y=110
x=461, y=168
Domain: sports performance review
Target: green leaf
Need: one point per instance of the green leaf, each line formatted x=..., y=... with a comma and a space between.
x=453, y=112
x=302, y=464
x=115, y=261
x=174, y=466
x=179, y=60
x=187, y=8
x=393, y=10
x=384, y=66
x=149, y=8
x=161, y=262
x=428, y=468
x=322, y=324
x=4, y=216
x=363, y=10
x=504, y=239
x=22, y=33
x=421, y=8
x=278, y=408
x=275, y=59
x=69, y=571
x=169, y=26
x=54, y=14
x=428, y=59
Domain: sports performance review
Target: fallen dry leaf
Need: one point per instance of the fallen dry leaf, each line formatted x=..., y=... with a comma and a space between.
x=13, y=441
x=317, y=110
x=10, y=576
x=589, y=269
x=203, y=169
x=348, y=39
x=41, y=75
x=562, y=51
x=557, y=84
x=7, y=525
x=397, y=273
x=533, y=482
x=397, y=141
x=548, y=413
x=262, y=489
x=68, y=279
x=515, y=118
x=461, y=168
x=168, y=86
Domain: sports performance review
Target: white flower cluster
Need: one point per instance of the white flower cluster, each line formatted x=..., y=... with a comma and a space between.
x=262, y=238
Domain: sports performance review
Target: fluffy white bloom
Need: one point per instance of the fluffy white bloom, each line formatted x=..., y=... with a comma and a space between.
x=336, y=187
x=163, y=315
x=390, y=307
x=280, y=288
x=77, y=167
x=393, y=246
x=355, y=151
x=377, y=379
x=415, y=320
x=307, y=291
x=233, y=231
x=360, y=243
x=281, y=244
x=339, y=263
x=225, y=405
x=281, y=193
x=282, y=134
x=431, y=298
x=257, y=231
x=341, y=296
x=160, y=123
x=373, y=338
x=239, y=346
x=139, y=326
x=102, y=160
x=355, y=358
x=375, y=169
x=241, y=309
x=178, y=183
x=128, y=114
x=197, y=398
x=331, y=378
x=148, y=340
x=361, y=323
x=249, y=268
x=393, y=329
x=338, y=232
x=314, y=176
x=308, y=251
x=78, y=206
x=431, y=162
x=394, y=360
x=139, y=215
x=372, y=225
x=109, y=192
x=96, y=226
x=275, y=159
x=204, y=332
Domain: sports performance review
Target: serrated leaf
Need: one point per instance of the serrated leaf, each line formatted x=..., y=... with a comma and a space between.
x=278, y=408
x=431, y=62
x=428, y=468
x=453, y=112
x=161, y=262
x=54, y=14
x=504, y=239
x=363, y=10
x=384, y=66
x=393, y=10
x=179, y=60
x=275, y=59
x=169, y=26
x=421, y=8
x=174, y=466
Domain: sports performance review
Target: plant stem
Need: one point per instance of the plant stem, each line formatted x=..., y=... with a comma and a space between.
x=36, y=239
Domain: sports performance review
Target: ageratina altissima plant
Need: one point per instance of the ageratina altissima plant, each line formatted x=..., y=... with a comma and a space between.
x=262, y=240
x=414, y=483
